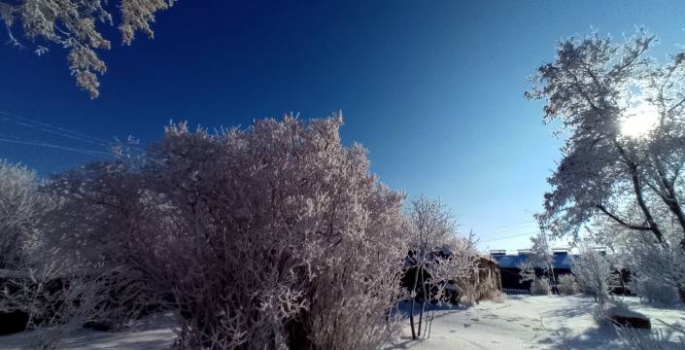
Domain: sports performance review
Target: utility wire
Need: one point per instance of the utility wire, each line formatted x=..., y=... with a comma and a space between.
x=49, y=145
x=503, y=238
x=60, y=131
x=56, y=130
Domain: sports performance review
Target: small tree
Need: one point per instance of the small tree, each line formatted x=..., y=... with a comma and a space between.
x=438, y=256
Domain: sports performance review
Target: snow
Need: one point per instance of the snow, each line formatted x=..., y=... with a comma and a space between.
x=152, y=333
x=533, y=322
x=519, y=322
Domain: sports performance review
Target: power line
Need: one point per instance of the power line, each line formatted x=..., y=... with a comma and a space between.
x=52, y=129
x=508, y=229
x=103, y=146
x=514, y=236
x=49, y=145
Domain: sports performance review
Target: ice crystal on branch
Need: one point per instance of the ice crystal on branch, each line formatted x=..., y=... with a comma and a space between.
x=73, y=25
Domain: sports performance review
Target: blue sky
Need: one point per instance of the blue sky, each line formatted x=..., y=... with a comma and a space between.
x=434, y=89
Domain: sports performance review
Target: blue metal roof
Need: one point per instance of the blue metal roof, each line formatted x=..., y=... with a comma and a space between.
x=561, y=261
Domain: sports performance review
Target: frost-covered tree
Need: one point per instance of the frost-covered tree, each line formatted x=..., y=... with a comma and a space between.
x=539, y=257
x=438, y=256
x=73, y=25
x=624, y=117
x=22, y=208
x=623, y=114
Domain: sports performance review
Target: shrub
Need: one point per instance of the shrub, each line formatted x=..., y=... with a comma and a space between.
x=594, y=274
x=567, y=285
x=272, y=237
x=652, y=291
x=540, y=286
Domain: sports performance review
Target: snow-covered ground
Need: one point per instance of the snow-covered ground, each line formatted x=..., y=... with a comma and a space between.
x=520, y=322
x=152, y=333
x=533, y=322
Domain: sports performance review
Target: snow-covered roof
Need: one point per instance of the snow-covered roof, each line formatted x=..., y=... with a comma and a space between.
x=561, y=260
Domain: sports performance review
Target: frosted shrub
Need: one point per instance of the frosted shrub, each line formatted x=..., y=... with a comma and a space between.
x=22, y=208
x=594, y=274
x=540, y=286
x=657, y=270
x=567, y=285
x=272, y=237
x=107, y=226
x=280, y=237
x=652, y=291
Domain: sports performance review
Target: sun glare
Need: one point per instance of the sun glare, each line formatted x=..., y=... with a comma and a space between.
x=639, y=121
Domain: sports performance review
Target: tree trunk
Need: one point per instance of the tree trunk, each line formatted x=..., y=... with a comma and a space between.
x=411, y=320
x=413, y=300
x=423, y=302
x=670, y=198
x=675, y=208
x=637, y=188
x=681, y=294
x=643, y=206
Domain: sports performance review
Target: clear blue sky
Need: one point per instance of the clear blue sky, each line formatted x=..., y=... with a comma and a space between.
x=434, y=89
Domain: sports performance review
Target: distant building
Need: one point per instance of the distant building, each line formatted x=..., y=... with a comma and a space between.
x=562, y=259
x=511, y=273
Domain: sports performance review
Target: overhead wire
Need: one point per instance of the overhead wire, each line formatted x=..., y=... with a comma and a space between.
x=52, y=129
x=104, y=146
x=4, y=138
x=513, y=236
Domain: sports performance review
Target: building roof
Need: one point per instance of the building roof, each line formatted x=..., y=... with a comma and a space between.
x=562, y=260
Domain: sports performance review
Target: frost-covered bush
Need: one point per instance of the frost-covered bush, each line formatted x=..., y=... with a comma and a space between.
x=657, y=270
x=652, y=291
x=60, y=271
x=275, y=236
x=105, y=226
x=567, y=285
x=594, y=273
x=22, y=208
x=279, y=237
x=540, y=286
x=526, y=271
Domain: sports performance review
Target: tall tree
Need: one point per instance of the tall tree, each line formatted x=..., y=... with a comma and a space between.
x=73, y=25
x=623, y=115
